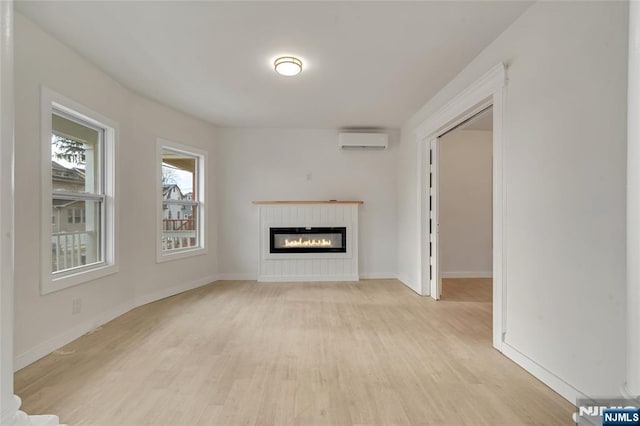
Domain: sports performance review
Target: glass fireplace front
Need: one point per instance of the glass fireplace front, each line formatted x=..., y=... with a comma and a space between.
x=308, y=240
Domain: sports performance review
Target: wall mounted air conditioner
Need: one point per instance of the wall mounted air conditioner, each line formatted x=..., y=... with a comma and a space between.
x=353, y=140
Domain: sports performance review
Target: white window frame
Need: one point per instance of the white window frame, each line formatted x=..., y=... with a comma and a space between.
x=51, y=282
x=201, y=176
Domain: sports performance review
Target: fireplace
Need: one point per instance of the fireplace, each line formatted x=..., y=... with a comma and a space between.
x=308, y=240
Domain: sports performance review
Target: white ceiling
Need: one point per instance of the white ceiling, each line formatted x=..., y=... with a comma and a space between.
x=366, y=64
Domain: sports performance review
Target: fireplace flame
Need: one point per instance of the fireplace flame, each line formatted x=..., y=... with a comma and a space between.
x=307, y=243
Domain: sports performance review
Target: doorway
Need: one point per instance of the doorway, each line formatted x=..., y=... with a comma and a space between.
x=465, y=197
x=486, y=92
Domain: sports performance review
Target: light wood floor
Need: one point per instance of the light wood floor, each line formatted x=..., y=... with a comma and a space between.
x=242, y=353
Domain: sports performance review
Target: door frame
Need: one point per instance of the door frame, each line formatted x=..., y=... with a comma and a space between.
x=488, y=90
x=432, y=216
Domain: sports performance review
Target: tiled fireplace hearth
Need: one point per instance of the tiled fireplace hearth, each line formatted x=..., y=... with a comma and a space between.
x=308, y=240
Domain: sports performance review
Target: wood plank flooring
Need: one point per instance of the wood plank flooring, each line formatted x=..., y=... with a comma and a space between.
x=243, y=353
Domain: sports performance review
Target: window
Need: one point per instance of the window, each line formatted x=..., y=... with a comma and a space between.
x=75, y=215
x=181, y=209
x=78, y=180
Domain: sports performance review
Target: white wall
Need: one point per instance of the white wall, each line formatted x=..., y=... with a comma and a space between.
x=7, y=402
x=465, y=178
x=273, y=164
x=564, y=165
x=564, y=168
x=45, y=322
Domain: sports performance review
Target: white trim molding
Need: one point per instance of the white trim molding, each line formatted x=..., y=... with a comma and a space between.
x=467, y=274
x=201, y=188
x=238, y=276
x=632, y=385
x=488, y=90
x=54, y=343
x=49, y=282
x=45, y=348
x=547, y=377
x=409, y=283
x=309, y=278
x=176, y=289
x=378, y=276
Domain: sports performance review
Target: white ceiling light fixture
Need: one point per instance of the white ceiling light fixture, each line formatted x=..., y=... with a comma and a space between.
x=288, y=66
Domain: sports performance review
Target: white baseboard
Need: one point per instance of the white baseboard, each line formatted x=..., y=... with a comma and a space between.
x=628, y=394
x=172, y=291
x=44, y=420
x=45, y=348
x=296, y=278
x=253, y=277
x=238, y=277
x=550, y=379
x=378, y=276
x=468, y=274
x=409, y=283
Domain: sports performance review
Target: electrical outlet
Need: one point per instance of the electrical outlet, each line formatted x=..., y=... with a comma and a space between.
x=76, y=306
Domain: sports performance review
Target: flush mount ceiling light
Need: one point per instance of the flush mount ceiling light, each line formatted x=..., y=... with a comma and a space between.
x=288, y=66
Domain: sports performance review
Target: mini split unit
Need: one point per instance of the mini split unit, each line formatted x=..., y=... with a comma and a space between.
x=353, y=140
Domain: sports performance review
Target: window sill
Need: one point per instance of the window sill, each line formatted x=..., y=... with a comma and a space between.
x=56, y=284
x=182, y=254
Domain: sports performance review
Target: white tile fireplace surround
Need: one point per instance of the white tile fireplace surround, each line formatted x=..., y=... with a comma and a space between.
x=308, y=240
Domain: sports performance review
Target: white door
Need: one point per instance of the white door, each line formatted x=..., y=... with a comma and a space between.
x=435, y=282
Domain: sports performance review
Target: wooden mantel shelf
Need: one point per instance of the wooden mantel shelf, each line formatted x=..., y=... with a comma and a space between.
x=309, y=202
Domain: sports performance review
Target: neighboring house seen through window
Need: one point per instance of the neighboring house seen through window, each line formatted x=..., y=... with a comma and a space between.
x=77, y=193
x=79, y=148
x=182, y=198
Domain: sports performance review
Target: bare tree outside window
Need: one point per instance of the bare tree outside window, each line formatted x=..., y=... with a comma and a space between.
x=69, y=150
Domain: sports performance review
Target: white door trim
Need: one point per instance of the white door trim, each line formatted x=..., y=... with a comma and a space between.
x=486, y=91
x=433, y=218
